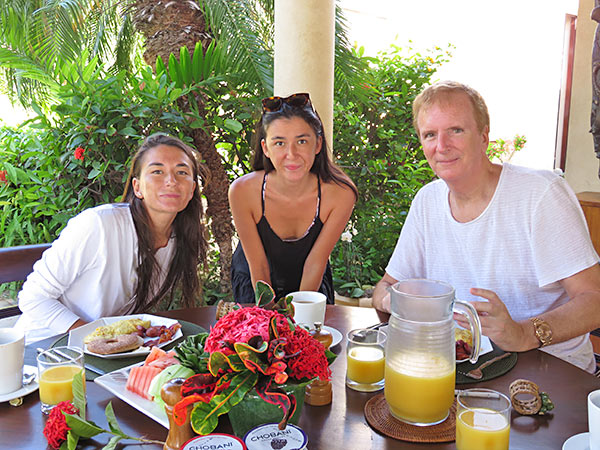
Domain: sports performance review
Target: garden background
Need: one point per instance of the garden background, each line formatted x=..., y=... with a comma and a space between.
x=100, y=78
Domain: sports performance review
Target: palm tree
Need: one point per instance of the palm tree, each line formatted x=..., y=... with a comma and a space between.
x=38, y=36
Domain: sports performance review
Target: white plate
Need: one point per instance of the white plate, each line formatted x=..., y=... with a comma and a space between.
x=335, y=334
x=485, y=347
x=580, y=441
x=77, y=335
x=115, y=382
x=31, y=387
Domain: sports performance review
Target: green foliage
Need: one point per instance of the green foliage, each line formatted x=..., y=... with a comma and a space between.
x=375, y=143
x=502, y=150
x=77, y=157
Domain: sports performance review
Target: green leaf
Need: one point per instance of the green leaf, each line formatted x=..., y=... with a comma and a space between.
x=160, y=66
x=112, y=419
x=233, y=125
x=72, y=440
x=197, y=124
x=197, y=62
x=85, y=429
x=79, y=393
x=264, y=293
x=127, y=131
x=112, y=444
x=93, y=174
x=185, y=62
x=175, y=71
x=205, y=416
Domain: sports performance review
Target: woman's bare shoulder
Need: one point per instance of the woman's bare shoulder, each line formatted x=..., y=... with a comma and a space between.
x=247, y=183
x=338, y=192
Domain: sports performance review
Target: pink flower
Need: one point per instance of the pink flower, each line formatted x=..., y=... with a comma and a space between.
x=79, y=153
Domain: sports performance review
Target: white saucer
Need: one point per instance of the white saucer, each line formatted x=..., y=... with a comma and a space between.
x=31, y=387
x=335, y=334
x=580, y=441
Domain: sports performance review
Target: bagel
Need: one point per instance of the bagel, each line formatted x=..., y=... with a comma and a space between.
x=117, y=344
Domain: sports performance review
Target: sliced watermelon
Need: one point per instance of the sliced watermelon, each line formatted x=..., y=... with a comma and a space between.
x=164, y=362
x=140, y=378
x=155, y=353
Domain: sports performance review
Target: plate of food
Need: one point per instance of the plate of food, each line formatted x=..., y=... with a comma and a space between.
x=116, y=383
x=139, y=385
x=464, y=343
x=125, y=336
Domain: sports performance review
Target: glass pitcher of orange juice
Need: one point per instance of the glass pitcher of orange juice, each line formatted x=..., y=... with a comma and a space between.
x=420, y=361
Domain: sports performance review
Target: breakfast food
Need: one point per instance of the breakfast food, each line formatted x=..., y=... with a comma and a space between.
x=125, y=326
x=460, y=334
x=117, y=344
x=464, y=343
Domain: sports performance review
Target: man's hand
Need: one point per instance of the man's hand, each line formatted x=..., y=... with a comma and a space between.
x=498, y=325
x=381, y=296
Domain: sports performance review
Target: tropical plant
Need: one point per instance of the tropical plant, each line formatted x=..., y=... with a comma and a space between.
x=377, y=146
x=248, y=348
x=41, y=36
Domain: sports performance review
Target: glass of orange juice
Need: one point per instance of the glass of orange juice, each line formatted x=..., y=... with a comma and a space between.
x=365, y=357
x=56, y=369
x=482, y=420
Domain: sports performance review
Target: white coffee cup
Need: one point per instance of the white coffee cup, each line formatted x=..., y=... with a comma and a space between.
x=12, y=352
x=594, y=419
x=309, y=307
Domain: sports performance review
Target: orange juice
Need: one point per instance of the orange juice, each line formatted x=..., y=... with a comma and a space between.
x=482, y=429
x=419, y=389
x=56, y=384
x=366, y=364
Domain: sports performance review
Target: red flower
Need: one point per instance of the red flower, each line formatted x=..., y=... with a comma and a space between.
x=3, y=177
x=239, y=326
x=56, y=426
x=79, y=153
x=309, y=358
x=311, y=361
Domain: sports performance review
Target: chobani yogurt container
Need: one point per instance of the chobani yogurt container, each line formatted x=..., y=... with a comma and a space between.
x=270, y=437
x=216, y=441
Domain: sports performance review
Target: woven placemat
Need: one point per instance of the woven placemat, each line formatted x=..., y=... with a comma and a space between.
x=380, y=418
x=493, y=371
x=109, y=365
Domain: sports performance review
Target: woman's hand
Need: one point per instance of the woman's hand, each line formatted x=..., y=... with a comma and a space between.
x=497, y=324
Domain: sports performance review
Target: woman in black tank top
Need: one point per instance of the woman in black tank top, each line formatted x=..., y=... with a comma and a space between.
x=292, y=209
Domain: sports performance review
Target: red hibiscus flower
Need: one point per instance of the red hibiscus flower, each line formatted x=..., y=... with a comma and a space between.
x=56, y=428
x=79, y=151
x=3, y=177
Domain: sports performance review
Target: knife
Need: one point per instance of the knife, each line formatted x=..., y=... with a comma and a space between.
x=94, y=369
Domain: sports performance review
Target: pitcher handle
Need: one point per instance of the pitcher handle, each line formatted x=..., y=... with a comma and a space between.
x=466, y=309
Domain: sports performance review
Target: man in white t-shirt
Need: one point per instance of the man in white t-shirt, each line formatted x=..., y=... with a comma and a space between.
x=512, y=240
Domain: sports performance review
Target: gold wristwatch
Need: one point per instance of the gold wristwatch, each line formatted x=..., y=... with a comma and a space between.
x=542, y=331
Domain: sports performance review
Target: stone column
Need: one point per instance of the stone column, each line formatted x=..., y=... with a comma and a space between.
x=304, y=54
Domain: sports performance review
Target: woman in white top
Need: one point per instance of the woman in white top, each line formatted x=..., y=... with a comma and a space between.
x=123, y=258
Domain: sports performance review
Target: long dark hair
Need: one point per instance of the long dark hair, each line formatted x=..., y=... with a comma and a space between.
x=190, y=250
x=323, y=166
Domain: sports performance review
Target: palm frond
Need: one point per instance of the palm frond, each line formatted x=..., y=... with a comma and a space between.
x=349, y=70
x=245, y=33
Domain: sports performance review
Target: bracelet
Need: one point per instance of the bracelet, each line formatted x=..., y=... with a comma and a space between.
x=530, y=405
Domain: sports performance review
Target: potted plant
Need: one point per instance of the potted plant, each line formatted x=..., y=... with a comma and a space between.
x=253, y=357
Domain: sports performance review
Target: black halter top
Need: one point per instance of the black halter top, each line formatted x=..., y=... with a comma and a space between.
x=287, y=256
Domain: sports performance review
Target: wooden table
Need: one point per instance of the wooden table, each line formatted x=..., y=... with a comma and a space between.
x=340, y=425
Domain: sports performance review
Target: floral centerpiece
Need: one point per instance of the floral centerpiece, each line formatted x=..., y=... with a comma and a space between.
x=257, y=349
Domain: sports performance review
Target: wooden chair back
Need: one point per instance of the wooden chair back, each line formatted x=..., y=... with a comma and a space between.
x=17, y=262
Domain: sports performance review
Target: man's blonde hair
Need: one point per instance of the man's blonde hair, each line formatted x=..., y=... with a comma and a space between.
x=441, y=91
